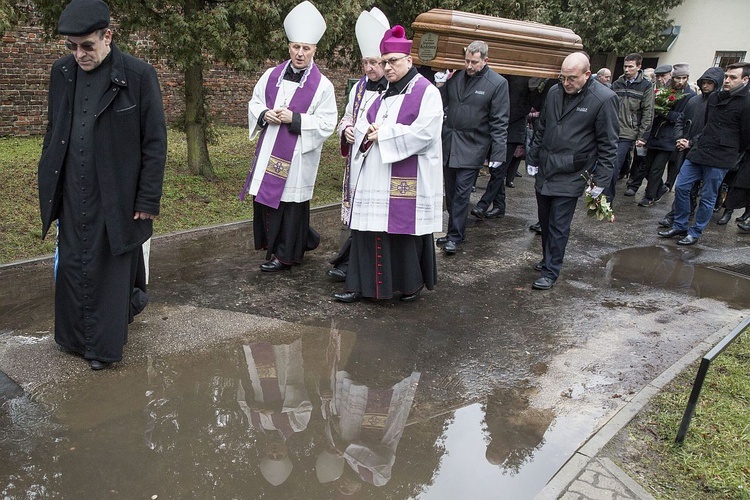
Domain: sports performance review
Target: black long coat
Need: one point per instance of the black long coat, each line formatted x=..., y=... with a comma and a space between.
x=130, y=142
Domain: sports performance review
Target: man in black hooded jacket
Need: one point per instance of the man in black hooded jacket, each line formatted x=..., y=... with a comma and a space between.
x=690, y=124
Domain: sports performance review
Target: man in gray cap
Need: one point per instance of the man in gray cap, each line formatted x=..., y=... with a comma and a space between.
x=662, y=75
x=100, y=178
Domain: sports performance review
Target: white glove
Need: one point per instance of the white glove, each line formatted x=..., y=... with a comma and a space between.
x=442, y=76
x=594, y=191
x=495, y=164
x=532, y=170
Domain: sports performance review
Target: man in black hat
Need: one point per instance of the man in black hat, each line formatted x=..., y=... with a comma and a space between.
x=100, y=178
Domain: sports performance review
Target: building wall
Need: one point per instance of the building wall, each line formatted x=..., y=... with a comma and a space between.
x=26, y=59
x=708, y=27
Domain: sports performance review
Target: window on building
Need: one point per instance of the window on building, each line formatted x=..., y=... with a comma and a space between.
x=724, y=59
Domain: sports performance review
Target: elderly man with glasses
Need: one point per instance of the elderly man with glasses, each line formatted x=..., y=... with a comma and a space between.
x=397, y=203
x=576, y=138
x=100, y=178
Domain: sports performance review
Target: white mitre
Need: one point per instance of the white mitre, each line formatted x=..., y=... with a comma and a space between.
x=370, y=28
x=304, y=24
x=276, y=471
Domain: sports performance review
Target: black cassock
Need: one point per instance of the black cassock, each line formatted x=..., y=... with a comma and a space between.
x=93, y=289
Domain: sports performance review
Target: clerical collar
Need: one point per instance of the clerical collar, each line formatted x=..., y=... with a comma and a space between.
x=399, y=86
x=377, y=86
x=294, y=74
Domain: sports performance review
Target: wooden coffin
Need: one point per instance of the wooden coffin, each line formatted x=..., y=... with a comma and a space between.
x=515, y=47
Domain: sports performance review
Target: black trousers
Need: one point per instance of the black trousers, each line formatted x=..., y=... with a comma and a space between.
x=458, y=184
x=555, y=216
x=495, y=192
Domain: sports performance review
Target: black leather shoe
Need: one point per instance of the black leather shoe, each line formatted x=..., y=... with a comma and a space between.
x=348, y=297
x=274, y=265
x=671, y=233
x=688, y=240
x=725, y=217
x=510, y=184
x=337, y=274
x=744, y=226
x=543, y=283
x=477, y=212
x=410, y=297
x=539, y=265
x=537, y=228
x=495, y=213
x=450, y=248
x=441, y=241
x=98, y=365
x=666, y=222
x=744, y=217
x=630, y=192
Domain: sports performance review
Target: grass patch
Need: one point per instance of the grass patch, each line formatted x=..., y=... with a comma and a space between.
x=189, y=201
x=714, y=460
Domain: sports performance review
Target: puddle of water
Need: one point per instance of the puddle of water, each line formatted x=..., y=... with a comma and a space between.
x=311, y=417
x=674, y=268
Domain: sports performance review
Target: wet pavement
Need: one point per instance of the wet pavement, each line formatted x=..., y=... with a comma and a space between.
x=235, y=380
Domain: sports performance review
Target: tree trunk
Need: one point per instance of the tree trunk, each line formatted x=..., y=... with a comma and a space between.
x=195, y=123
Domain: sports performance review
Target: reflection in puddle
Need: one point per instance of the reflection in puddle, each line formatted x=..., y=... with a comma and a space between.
x=674, y=268
x=321, y=416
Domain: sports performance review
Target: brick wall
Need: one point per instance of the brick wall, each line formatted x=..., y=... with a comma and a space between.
x=26, y=59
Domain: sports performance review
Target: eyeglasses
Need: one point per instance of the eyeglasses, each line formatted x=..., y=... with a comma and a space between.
x=391, y=61
x=86, y=47
x=569, y=79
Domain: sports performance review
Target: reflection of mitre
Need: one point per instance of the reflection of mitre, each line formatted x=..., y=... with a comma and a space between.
x=329, y=467
x=275, y=471
x=370, y=28
x=304, y=24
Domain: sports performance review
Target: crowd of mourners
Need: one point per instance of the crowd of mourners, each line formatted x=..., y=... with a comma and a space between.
x=412, y=143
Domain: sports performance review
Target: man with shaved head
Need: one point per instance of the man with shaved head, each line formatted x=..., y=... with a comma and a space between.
x=576, y=136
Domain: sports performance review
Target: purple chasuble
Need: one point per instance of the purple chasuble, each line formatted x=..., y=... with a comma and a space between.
x=277, y=169
x=402, y=204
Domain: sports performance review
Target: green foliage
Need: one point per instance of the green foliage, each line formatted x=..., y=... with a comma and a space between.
x=713, y=460
x=189, y=201
x=8, y=15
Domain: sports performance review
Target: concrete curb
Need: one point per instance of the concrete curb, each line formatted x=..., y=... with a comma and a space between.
x=586, y=455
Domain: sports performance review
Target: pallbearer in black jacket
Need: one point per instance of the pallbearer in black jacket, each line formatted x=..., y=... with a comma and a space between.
x=577, y=132
x=475, y=129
